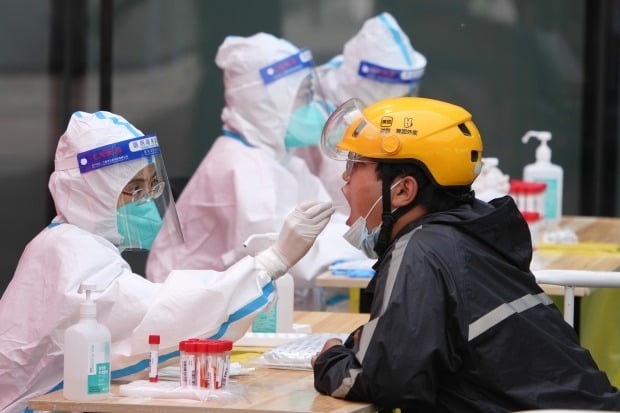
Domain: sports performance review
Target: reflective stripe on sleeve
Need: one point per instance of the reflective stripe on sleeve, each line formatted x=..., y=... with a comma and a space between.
x=395, y=262
x=369, y=328
x=503, y=311
x=346, y=384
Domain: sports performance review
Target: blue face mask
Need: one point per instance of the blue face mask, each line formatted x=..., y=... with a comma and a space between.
x=138, y=224
x=359, y=236
x=306, y=124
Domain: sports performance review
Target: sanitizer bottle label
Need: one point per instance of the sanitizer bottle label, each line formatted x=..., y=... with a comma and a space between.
x=99, y=368
x=551, y=198
x=266, y=322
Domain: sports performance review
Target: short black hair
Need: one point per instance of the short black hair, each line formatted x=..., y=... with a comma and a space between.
x=430, y=194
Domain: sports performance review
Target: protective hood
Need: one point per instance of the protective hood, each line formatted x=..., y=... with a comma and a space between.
x=89, y=200
x=258, y=103
x=498, y=225
x=377, y=63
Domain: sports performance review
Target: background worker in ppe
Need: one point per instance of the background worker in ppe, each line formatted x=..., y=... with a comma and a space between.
x=111, y=193
x=378, y=62
x=458, y=323
x=249, y=179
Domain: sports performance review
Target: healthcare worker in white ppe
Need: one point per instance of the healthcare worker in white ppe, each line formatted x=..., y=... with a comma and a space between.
x=249, y=179
x=377, y=63
x=111, y=193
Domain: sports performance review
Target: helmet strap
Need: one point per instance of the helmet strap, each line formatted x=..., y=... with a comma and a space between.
x=388, y=218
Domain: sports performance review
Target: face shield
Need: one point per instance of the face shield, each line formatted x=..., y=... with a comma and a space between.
x=341, y=138
x=308, y=111
x=145, y=204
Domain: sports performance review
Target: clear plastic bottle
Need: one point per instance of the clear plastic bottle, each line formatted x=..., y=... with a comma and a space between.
x=544, y=171
x=279, y=317
x=87, y=354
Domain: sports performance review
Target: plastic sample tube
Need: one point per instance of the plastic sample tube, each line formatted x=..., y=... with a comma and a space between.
x=153, y=365
x=190, y=348
x=227, y=348
x=187, y=362
x=184, y=374
x=212, y=348
x=202, y=366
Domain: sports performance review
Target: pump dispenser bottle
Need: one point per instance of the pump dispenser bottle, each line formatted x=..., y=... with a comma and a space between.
x=279, y=318
x=87, y=354
x=544, y=171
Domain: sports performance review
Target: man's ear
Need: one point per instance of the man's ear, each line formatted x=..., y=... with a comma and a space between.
x=405, y=192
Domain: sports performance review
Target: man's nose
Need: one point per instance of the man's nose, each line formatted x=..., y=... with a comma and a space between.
x=346, y=176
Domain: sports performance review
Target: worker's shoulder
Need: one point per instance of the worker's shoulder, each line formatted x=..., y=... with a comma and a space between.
x=433, y=230
x=64, y=235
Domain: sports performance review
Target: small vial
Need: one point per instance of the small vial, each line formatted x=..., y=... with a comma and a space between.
x=186, y=362
x=539, y=198
x=220, y=359
x=212, y=373
x=202, y=365
x=533, y=219
x=182, y=364
x=227, y=348
x=516, y=191
x=529, y=189
x=153, y=367
x=190, y=348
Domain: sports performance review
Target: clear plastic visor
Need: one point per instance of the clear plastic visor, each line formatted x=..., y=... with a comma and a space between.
x=309, y=92
x=133, y=176
x=298, y=99
x=146, y=208
x=347, y=120
x=293, y=89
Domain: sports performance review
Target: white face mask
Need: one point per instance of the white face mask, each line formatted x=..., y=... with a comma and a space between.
x=358, y=235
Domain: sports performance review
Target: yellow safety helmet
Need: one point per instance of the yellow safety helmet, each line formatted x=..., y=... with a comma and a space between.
x=437, y=134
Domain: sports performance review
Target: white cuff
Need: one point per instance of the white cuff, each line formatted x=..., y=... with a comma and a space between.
x=275, y=265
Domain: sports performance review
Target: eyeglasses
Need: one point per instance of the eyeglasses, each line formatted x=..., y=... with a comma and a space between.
x=353, y=160
x=140, y=194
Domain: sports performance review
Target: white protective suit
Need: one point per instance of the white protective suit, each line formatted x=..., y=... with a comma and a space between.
x=377, y=63
x=248, y=179
x=78, y=247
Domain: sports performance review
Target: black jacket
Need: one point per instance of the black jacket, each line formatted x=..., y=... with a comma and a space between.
x=458, y=324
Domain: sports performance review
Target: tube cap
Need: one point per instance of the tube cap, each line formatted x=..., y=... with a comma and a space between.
x=154, y=339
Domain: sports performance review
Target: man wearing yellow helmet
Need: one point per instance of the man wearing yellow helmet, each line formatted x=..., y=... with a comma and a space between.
x=457, y=320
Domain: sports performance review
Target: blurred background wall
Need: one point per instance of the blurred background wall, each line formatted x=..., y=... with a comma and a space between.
x=515, y=64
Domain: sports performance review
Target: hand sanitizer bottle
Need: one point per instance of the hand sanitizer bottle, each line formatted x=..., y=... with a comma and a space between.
x=278, y=318
x=544, y=171
x=87, y=354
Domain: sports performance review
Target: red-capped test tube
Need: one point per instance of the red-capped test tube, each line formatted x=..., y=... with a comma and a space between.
x=202, y=364
x=227, y=346
x=517, y=192
x=187, y=362
x=182, y=364
x=192, y=350
x=212, y=362
x=533, y=219
x=154, y=361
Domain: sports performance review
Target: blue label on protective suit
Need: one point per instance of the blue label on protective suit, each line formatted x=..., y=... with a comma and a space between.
x=287, y=66
x=118, y=152
x=387, y=75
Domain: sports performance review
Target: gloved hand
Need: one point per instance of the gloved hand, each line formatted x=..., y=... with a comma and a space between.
x=300, y=229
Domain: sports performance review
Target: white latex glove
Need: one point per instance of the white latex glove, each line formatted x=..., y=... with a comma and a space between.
x=300, y=229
